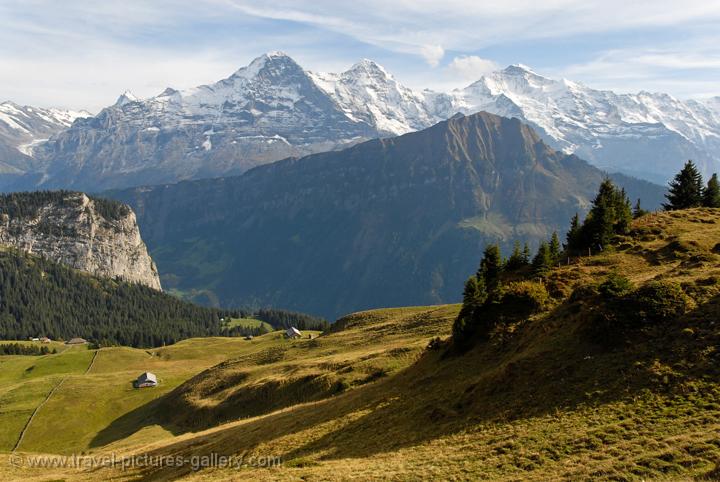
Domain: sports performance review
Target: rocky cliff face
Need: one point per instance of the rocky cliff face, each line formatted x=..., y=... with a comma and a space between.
x=93, y=235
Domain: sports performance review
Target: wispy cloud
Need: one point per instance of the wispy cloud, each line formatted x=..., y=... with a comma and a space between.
x=687, y=68
x=82, y=54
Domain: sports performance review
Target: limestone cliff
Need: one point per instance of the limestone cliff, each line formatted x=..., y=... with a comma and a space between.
x=97, y=236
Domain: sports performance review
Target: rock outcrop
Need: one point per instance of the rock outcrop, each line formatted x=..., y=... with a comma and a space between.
x=98, y=236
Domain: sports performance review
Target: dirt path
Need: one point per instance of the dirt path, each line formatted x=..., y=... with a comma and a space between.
x=92, y=362
x=27, y=424
x=50, y=394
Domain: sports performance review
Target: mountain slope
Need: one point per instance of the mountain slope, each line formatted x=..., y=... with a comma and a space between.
x=266, y=111
x=645, y=135
x=541, y=398
x=387, y=222
x=273, y=109
x=22, y=128
x=97, y=236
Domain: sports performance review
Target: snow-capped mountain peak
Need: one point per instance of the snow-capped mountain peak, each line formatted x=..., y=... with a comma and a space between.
x=273, y=108
x=22, y=128
x=126, y=98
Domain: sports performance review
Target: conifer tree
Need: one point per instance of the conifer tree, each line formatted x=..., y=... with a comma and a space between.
x=555, y=248
x=599, y=224
x=638, y=211
x=711, y=194
x=491, y=268
x=517, y=259
x=542, y=261
x=574, y=235
x=623, y=212
x=686, y=189
x=474, y=296
x=526, y=253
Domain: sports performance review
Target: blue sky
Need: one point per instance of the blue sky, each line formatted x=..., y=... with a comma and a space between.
x=83, y=54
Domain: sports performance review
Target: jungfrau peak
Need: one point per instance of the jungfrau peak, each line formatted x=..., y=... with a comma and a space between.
x=273, y=108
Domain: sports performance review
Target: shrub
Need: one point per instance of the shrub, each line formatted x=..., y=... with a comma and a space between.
x=530, y=296
x=616, y=285
x=583, y=291
x=659, y=301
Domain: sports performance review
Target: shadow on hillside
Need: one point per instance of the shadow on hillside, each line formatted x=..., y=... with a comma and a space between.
x=130, y=423
x=546, y=367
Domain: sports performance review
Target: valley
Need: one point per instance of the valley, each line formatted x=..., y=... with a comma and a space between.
x=544, y=396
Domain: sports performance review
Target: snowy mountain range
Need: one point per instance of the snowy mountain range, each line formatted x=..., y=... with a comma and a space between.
x=23, y=127
x=273, y=109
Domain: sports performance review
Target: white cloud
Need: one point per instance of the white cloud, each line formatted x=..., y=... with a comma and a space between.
x=433, y=54
x=471, y=67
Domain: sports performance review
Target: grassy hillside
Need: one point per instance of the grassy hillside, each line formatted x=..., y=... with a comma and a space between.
x=87, y=410
x=542, y=398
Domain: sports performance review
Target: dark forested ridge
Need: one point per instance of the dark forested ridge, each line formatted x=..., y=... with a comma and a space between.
x=389, y=222
x=41, y=298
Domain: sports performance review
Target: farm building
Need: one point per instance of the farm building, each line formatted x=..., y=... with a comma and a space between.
x=147, y=379
x=293, y=332
x=76, y=341
x=45, y=339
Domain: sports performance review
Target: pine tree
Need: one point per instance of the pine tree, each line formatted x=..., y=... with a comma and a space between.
x=574, y=235
x=638, y=211
x=542, y=261
x=474, y=296
x=623, y=212
x=711, y=194
x=491, y=268
x=600, y=222
x=686, y=189
x=555, y=248
x=517, y=259
x=526, y=253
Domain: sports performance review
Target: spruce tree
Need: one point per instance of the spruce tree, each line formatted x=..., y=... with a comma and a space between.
x=711, y=194
x=638, y=211
x=600, y=222
x=542, y=261
x=474, y=296
x=517, y=259
x=555, y=248
x=574, y=235
x=491, y=268
x=686, y=189
x=526, y=253
x=623, y=212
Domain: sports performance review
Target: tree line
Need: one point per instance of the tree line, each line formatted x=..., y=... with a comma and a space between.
x=610, y=215
x=19, y=349
x=41, y=298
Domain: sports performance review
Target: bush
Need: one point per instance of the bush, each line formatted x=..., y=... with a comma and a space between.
x=615, y=286
x=584, y=291
x=529, y=296
x=659, y=301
